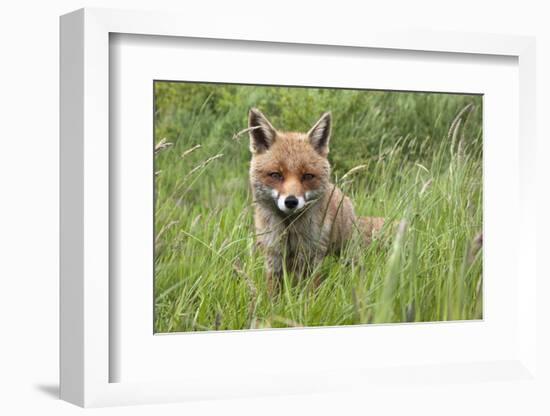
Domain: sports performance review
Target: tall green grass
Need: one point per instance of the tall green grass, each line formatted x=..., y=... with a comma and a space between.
x=423, y=157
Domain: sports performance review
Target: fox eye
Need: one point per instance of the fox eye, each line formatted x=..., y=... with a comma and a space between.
x=276, y=175
x=308, y=177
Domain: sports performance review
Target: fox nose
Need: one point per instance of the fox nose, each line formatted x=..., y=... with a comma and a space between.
x=291, y=202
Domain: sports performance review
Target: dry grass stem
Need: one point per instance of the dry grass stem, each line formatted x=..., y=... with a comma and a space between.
x=161, y=145
x=188, y=151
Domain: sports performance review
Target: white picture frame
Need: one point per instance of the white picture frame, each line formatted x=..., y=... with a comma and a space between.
x=86, y=356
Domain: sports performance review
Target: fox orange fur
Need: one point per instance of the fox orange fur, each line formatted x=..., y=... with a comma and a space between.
x=300, y=216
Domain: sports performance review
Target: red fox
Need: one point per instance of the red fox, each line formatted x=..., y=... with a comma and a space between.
x=300, y=216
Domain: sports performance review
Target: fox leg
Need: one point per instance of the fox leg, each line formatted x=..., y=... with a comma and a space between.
x=274, y=272
x=317, y=277
x=306, y=262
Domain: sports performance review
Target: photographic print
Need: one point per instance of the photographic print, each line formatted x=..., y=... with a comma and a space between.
x=283, y=206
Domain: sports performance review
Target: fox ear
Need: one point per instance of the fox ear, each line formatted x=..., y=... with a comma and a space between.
x=262, y=133
x=319, y=135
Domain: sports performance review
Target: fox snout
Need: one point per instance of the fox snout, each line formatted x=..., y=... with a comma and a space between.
x=291, y=202
x=288, y=203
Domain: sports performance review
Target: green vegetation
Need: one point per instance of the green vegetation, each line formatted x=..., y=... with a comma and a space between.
x=423, y=157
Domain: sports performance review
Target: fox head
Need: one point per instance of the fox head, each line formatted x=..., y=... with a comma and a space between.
x=288, y=170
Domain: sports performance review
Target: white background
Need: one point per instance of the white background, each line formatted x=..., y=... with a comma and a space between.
x=29, y=209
